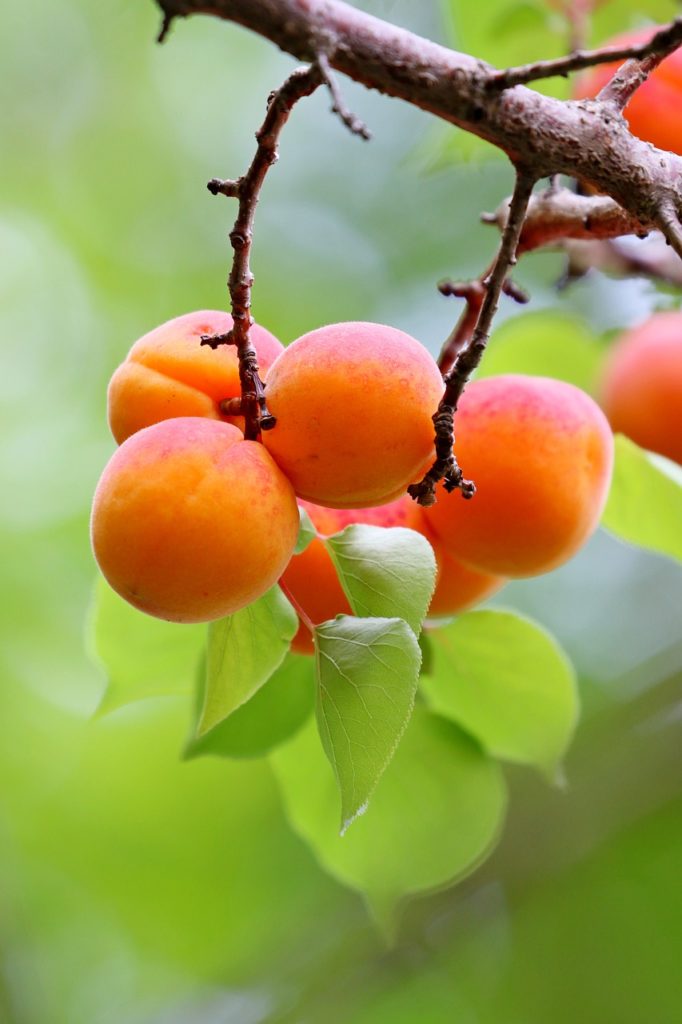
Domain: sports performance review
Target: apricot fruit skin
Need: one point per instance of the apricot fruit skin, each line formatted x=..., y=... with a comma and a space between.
x=641, y=390
x=353, y=403
x=190, y=522
x=653, y=113
x=311, y=577
x=540, y=452
x=169, y=373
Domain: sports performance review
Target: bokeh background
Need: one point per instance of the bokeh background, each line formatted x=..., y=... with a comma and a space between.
x=139, y=889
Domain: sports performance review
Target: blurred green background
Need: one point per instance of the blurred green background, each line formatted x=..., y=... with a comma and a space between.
x=138, y=889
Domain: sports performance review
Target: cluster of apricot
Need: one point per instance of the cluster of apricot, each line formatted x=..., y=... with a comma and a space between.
x=192, y=522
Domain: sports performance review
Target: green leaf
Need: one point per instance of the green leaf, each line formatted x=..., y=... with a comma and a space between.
x=271, y=716
x=388, y=573
x=545, y=344
x=644, y=506
x=306, y=531
x=435, y=815
x=367, y=680
x=244, y=650
x=142, y=656
x=507, y=681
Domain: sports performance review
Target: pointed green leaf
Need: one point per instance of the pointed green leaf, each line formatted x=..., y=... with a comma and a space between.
x=644, y=506
x=507, y=681
x=388, y=573
x=269, y=718
x=367, y=679
x=142, y=656
x=244, y=650
x=435, y=815
x=306, y=531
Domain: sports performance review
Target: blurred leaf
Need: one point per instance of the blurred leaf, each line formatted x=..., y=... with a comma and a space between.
x=244, y=650
x=367, y=674
x=385, y=572
x=644, y=506
x=142, y=656
x=434, y=817
x=545, y=344
x=271, y=716
x=507, y=681
x=306, y=531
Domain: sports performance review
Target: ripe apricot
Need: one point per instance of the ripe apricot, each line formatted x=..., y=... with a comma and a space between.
x=169, y=373
x=312, y=581
x=190, y=522
x=353, y=403
x=653, y=113
x=642, y=385
x=540, y=452
x=459, y=587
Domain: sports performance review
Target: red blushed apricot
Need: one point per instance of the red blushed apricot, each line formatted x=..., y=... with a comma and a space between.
x=190, y=522
x=653, y=113
x=540, y=452
x=169, y=373
x=642, y=385
x=353, y=403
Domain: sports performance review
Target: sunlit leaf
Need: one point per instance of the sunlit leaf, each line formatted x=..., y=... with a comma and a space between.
x=141, y=655
x=434, y=817
x=385, y=572
x=645, y=502
x=507, y=681
x=367, y=679
x=270, y=717
x=244, y=650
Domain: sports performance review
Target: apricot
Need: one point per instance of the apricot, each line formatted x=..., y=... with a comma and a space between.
x=540, y=452
x=169, y=373
x=641, y=389
x=190, y=522
x=353, y=403
x=653, y=113
x=312, y=581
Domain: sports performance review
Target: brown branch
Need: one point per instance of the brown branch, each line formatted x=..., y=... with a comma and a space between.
x=662, y=43
x=473, y=292
x=445, y=466
x=351, y=120
x=581, y=139
x=252, y=405
x=621, y=88
x=560, y=213
x=623, y=257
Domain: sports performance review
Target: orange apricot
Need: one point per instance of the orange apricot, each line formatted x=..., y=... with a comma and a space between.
x=353, y=403
x=459, y=587
x=169, y=373
x=311, y=577
x=641, y=389
x=653, y=113
x=190, y=522
x=540, y=452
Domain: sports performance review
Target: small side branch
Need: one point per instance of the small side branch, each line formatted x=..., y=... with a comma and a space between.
x=663, y=42
x=351, y=120
x=252, y=404
x=445, y=467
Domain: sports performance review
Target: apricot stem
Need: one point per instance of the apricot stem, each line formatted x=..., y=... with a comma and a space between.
x=246, y=190
x=471, y=351
x=298, y=608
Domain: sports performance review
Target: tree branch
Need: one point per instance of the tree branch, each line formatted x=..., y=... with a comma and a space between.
x=656, y=49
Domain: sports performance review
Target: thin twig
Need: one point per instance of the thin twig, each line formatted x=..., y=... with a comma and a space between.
x=663, y=42
x=351, y=120
x=669, y=223
x=445, y=467
x=622, y=87
x=252, y=405
x=473, y=292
